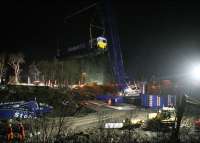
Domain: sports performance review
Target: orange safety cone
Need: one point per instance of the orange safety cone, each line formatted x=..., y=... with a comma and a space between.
x=109, y=102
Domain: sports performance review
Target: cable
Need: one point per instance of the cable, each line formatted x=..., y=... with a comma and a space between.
x=79, y=11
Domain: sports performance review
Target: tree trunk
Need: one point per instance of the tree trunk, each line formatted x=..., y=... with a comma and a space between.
x=16, y=77
x=180, y=109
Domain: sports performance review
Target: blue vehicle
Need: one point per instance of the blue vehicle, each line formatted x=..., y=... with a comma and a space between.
x=23, y=110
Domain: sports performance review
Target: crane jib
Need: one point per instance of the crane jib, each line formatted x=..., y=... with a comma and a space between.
x=114, y=48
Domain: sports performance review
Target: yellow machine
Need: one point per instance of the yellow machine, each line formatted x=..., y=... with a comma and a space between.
x=101, y=43
x=165, y=115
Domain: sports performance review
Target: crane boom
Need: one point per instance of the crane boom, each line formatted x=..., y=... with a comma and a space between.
x=114, y=48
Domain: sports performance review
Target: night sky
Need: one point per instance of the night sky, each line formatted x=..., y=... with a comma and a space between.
x=159, y=37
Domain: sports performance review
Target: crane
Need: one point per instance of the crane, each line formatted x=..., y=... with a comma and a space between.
x=109, y=40
x=114, y=47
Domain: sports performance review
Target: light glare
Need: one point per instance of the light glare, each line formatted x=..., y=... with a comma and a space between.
x=196, y=73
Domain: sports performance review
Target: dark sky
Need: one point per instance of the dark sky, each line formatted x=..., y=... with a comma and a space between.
x=156, y=37
x=163, y=37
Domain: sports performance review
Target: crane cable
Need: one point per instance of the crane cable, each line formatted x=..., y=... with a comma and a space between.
x=79, y=11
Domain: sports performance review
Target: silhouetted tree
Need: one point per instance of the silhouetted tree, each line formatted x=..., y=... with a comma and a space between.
x=34, y=72
x=180, y=109
x=2, y=64
x=43, y=68
x=15, y=60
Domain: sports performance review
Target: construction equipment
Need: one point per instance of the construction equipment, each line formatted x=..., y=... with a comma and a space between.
x=101, y=42
x=114, y=48
x=106, y=39
x=165, y=115
x=132, y=123
x=23, y=110
x=132, y=90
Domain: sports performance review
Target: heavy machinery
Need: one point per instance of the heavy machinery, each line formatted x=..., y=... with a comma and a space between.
x=23, y=109
x=101, y=42
x=114, y=48
x=165, y=115
x=132, y=90
x=106, y=40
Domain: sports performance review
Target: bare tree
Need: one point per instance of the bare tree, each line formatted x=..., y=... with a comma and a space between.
x=34, y=72
x=15, y=60
x=2, y=64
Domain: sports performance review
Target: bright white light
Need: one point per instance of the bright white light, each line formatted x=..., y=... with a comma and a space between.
x=195, y=73
x=128, y=90
x=113, y=125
